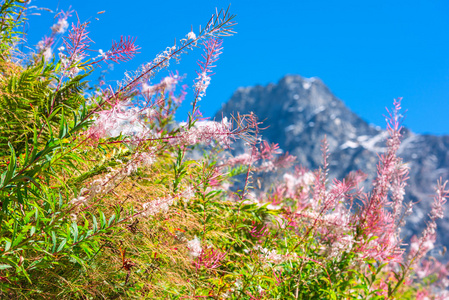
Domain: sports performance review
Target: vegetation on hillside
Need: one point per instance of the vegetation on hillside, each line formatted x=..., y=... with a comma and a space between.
x=101, y=197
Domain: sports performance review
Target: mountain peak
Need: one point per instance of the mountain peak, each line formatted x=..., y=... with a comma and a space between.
x=297, y=109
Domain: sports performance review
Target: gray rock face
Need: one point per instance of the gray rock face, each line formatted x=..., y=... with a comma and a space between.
x=301, y=111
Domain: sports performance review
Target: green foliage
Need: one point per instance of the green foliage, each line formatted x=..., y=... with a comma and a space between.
x=12, y=17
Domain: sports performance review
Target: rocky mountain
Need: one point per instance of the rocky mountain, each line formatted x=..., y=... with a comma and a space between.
x=301, y=111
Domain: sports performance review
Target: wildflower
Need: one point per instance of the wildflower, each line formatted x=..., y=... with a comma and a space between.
x=79, y=199
x=145, y=158
x=205, y=132
x=213, y=49
x=82, y=198
x=187, y=194
x=123, y=50
x=44, y=48
x=201, y=84
x=122, y=119
x=209, y=258
x=191, y=35
x=374, y=218
x=270, y=255
x=102, y=54
x=194, y=247
x=419, y=247
x=242, y=159
x=47, y=54
x=160, y=205
x=61, y=26
x=149, y=90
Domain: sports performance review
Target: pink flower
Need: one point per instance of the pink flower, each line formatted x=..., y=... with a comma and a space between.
x=209, y=258
x=205, y=132
x=375, y=220
x=213, y=48
x=420, y=247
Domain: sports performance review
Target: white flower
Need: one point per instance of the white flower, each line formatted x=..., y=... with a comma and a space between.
x=40, y=46
x=80, y=199
x=191, y=35
x=187, y=194
x=60, y=27
x=149, y=90
x=147, y=158
x=48, y=54
x=201, y=84
x=156, y=206
x=169, y=82
x=194, y=247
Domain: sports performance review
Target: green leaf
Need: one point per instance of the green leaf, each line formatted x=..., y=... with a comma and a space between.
x=32, y=230
x=53, y=238
x=11, y=166
x=7, y=245
x=102, y=220
x=111, y=220
x=74, y=231
x=2, y=267
x=95, y=224
x=61, y=246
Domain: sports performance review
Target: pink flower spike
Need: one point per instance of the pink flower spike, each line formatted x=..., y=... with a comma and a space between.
x=266, y=151
x=122, y=51
x=77, y=42
x=213, y=48
x=209, y=259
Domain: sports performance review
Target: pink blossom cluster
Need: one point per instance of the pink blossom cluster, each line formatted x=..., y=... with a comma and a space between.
x=167, y=84
x=420, y=247
x=372, y=229
x=213, y=48
x=425, y=294
x=264, y=153
x=123, y=118
x=123, y=50
x=375, y=220
x=44, y=47
x=219, y=25
x=209, y=258
x=205, y=132
x=429, y=267
x=77, y=43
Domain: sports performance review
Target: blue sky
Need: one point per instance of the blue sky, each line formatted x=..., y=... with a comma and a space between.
x=366, y=52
